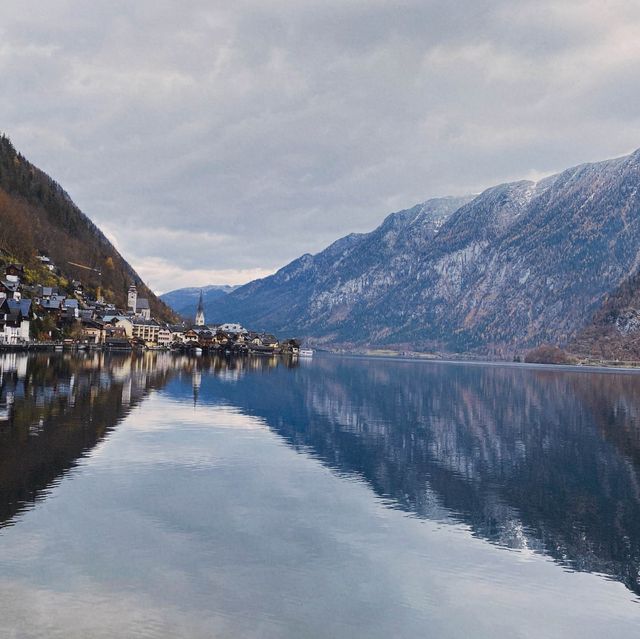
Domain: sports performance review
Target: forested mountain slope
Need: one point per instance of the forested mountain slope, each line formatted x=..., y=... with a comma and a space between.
x=37, y=215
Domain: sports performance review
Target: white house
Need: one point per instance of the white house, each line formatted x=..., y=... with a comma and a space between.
x=164, y=336
x=232, y=328
x=146, y=330
x=177, y=332
x=14, y=321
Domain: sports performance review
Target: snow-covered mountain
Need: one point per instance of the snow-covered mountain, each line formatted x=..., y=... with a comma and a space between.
x=517, y=265
x=185, y=300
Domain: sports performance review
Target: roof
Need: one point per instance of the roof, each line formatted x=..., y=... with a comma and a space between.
x=90, y=323
x=16, y=309
x=136, y=321
x=70, y=303
x=12, y=286
x=53, y=303
x=142, y=303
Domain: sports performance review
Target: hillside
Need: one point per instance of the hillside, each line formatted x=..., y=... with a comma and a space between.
x=520, y=264
x=614, y=332
x=316, y=294
x=36, y=215
x=184, y=301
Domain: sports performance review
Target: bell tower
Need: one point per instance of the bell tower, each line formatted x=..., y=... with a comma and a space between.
x=132, y=298
x=200, y=312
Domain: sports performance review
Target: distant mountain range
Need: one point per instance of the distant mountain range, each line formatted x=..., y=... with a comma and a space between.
x=184, y=301
x=38, y=216
x=496, y=273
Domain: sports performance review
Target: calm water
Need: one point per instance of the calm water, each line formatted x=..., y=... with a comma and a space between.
x=171, y=497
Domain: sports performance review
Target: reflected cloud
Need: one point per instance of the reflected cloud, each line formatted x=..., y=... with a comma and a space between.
x=538, y=461
x=346, y=497
x=528, y=459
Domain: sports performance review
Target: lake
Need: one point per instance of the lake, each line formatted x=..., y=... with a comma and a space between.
x=167, y=496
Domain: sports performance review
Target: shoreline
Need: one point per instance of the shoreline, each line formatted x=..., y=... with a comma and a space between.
x=584, y=367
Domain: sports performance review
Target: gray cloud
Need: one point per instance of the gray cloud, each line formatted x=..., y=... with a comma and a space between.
x=216, y=141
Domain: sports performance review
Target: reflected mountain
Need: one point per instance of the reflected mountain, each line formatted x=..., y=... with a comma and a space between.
x=528, y=458
x=55, y=409
x=546, y=460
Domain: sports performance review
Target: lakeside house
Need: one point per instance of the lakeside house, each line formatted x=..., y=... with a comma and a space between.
x=14, y=321
x=146, y=330
x=36, y=312
x=235, y=329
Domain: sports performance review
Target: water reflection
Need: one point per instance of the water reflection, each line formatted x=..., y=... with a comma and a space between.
x=55, y=409
x=539, y=459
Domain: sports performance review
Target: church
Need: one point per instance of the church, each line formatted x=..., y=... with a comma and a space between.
x=200, y=312
x=138, y=306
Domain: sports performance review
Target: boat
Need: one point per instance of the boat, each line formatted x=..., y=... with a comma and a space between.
x=305, y=352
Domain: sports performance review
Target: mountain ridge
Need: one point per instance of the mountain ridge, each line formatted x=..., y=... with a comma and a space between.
x=517, y=265
x=185, y=300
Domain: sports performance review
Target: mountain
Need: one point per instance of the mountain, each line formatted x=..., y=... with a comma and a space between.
x=498, y=273
x=37, y=215
x=614, y=332
x=316, y=293
x=184, y=301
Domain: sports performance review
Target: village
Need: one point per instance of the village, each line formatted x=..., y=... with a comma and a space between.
x=38, y=316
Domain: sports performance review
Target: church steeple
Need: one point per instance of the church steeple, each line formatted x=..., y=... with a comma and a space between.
x=200, y=311
x=132, y=297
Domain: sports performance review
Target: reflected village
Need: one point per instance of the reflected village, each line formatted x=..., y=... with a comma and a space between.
x=410, y=431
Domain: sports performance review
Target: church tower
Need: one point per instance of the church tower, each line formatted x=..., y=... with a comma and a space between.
x=132, y=298
x=200, y=312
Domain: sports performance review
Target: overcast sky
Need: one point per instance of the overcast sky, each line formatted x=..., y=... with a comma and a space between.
x=215, y=141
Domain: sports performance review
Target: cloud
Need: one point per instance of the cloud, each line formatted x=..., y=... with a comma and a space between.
x=229, y=138
x=163, y=276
